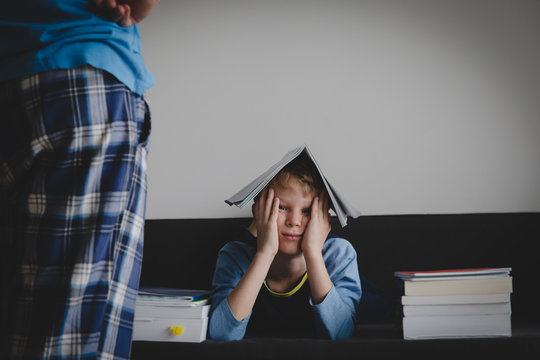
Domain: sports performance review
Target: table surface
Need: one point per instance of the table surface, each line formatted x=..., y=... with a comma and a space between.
x=383, y=341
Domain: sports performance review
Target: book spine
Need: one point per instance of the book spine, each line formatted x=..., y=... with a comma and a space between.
x=459, y=287
x=430, y=327
x=171, y=330
x=460, y=309
x=178, y=312
x=455, y=299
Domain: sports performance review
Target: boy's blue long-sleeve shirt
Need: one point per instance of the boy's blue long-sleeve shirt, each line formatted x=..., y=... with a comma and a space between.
x=333, y=318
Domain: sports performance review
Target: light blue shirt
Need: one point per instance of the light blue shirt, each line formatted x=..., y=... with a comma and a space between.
x=40, y=35
x=335, y=316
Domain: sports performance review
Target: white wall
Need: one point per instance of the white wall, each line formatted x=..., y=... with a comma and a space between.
x=424, y=106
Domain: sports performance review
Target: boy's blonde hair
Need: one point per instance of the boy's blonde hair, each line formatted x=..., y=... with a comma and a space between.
x=304, y=171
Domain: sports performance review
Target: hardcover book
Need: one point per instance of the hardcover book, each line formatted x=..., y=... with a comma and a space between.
x=456, y=303
x=497, y=285
x=457, y=326
x=457, y=309
x=455, y=299
x=165, y=314
x=453, y=273
x=340, y=206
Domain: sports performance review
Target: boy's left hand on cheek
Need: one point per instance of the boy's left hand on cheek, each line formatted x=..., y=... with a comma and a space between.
x=318, y=226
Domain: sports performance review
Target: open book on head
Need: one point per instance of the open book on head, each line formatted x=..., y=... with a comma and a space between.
x=340, y=206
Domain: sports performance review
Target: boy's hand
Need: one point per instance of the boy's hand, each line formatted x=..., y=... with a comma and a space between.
x=318, y=226
x=125, y=12
x=265, y=213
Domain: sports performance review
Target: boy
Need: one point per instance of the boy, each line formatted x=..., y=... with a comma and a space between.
x=285, y=276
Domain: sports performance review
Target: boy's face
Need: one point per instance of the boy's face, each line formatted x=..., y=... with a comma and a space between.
x=294, y=215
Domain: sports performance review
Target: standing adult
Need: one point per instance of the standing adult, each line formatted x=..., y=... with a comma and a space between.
x=74, y=131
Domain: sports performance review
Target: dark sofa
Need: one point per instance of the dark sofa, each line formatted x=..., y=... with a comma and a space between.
x=182, y=253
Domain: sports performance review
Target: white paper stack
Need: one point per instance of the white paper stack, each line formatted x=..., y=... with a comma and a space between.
x=458, y=303
x=163, y=314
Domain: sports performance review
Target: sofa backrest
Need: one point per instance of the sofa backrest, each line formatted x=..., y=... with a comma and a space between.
x=182, y=252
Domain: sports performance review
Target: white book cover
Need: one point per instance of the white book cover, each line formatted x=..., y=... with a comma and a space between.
x=171, y=330
x=457, y=309
x=458, y=277
x=453, y=273
x=464, y=326
x=172, y=295
x=496, y=285
x=151, y=310
x=455, y=299
x=340, y=206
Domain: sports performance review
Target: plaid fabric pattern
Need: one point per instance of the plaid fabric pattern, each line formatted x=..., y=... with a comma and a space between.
x=73, y=146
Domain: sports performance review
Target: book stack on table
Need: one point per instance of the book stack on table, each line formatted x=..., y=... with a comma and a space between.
x=164, y=314
x=458, y=303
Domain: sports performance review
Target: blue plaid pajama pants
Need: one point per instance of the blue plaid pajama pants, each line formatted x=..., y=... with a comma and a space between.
x=73, y=146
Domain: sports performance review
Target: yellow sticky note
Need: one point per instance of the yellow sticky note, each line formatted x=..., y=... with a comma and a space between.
x=176, y=330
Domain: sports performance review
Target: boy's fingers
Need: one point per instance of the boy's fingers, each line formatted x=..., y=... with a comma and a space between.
x=324, y=202
x=275, y=210
x=258, y=207
x=315, y=207
x=269, y=203
x=261, y=198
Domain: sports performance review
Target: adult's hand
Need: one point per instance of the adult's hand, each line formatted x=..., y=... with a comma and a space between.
x=125, y=12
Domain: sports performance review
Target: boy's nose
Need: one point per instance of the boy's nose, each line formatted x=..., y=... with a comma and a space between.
x=294, y=219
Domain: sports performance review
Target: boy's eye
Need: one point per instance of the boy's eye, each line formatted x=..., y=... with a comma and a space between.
x=307, y=211
x=282, y=208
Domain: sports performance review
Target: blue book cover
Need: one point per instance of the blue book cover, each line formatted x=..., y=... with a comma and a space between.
x=180, y=294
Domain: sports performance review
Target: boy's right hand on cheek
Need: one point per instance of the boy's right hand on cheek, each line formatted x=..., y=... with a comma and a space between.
x=265, y=212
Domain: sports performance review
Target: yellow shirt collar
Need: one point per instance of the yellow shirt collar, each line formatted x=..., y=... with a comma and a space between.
x=288, y=293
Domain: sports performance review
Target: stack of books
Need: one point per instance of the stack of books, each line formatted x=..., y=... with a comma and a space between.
x=164, y=314
x=458, y=303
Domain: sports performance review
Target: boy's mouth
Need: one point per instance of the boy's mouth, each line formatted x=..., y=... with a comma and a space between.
x=292, y=237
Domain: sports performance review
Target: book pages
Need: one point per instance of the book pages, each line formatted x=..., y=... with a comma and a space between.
x=341, y=207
